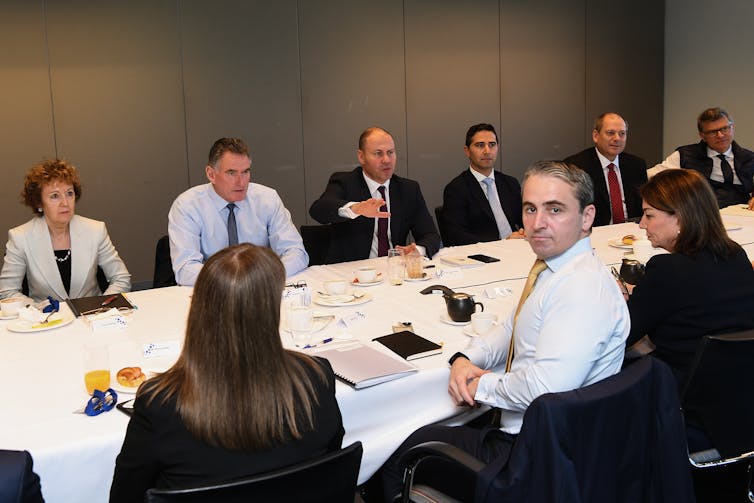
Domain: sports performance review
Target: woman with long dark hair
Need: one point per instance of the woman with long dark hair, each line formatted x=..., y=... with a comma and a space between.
x=236, y=402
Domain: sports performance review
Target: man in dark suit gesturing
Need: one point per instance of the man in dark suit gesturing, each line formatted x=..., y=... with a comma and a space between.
x=481, y=204
x=616, y=175
x=372, y=209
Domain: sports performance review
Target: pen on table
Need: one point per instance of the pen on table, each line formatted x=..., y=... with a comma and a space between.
x=329, y=339
x=109, y=300
x=430, y=266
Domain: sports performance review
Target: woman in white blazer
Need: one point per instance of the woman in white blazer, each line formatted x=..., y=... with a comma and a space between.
x=58, y=251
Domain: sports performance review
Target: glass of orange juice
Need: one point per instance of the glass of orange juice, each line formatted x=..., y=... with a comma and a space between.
x=96, y=367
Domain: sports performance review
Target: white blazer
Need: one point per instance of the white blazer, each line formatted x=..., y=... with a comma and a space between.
x=29, y=253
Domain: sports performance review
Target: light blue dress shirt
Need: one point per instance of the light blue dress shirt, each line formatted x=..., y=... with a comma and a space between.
x=197, y=225
x=571, y=332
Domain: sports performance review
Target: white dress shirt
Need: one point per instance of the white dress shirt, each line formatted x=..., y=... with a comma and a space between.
x=673, y=161
x=605, y=162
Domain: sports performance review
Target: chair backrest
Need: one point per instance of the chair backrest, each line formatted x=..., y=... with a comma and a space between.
x=439, y=216
x=163, y=266
x=18, y=482
x=316, y=242
x=329, y=478
x=620, y=439
x=718, y=391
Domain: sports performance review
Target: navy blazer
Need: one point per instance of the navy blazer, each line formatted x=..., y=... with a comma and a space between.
x=633, y=174
x=352, y=238
x=467, y=213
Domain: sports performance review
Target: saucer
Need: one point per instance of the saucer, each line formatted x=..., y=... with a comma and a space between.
x=371, y=283
x=470, y=331
x=426, y=277
x=446, y=319
x=618, y=243
x=8, y=317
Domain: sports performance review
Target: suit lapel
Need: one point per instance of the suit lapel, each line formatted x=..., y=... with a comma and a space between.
x=396, y=209
x=479, y=197
x=81, y=258
x=42, y=256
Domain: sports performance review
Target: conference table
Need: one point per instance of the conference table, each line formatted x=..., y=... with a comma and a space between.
x=74, y=455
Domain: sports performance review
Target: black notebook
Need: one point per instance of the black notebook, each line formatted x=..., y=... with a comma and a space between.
x=409, y=345
x=90, y=305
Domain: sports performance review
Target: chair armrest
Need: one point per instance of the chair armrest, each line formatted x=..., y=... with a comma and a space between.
x=464, y=468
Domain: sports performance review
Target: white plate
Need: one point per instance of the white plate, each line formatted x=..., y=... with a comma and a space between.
x=618, y=243
x=426, y=277
x=319, y=322
x=339, y=300
x=9, y=317
x=445, y=319
x=114, y=384
x=24, y=326
x=373, y=283
x=470, y=331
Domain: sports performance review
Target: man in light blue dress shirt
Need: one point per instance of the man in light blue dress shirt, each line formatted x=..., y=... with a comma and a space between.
x=200, y=221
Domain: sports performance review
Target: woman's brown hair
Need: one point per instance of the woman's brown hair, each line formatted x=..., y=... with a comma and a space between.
x=46, y=172
x=688, y=196
x=234, y=384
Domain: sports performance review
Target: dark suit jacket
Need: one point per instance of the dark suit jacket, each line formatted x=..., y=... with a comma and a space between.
x=682, y=298
x=18, y=482
x=159, y=451
x=633, y=173
x=352, y=239
x=467, y=213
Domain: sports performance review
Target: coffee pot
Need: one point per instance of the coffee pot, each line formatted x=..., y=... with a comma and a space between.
x=461, y=306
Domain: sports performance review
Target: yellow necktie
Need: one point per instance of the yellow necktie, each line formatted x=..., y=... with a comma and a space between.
x=538, y=267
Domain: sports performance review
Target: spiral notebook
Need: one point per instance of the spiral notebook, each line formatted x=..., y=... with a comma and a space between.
x=363, y=366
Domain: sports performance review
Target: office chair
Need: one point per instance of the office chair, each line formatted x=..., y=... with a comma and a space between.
x=163, y=266
x=620, y=439
x=439, y=216
x=316, y=242
x=330, y=478
x=18, y=482
x=717, y=397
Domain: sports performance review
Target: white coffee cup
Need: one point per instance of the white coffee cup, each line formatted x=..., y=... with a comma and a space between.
x=11, y=306
x=336, y=287
x=482, y=322
x=366, y=274
x=643, y=250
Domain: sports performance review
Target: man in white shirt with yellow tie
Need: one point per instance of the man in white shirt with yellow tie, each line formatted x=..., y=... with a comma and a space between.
x=558, y=341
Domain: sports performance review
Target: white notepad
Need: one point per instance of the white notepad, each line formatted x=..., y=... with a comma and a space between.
x=363, y=366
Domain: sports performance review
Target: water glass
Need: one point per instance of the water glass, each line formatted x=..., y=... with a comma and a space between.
x=396, y=269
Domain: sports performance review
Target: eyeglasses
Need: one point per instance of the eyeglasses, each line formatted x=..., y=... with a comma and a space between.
x=723, y=130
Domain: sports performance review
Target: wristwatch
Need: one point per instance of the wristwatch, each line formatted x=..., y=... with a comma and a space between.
x=455, y=357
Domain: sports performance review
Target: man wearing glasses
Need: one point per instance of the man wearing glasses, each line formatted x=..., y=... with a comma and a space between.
x=728, y=166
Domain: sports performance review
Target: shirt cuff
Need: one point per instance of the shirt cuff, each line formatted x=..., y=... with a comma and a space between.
x=345, y=211
x=485, y=391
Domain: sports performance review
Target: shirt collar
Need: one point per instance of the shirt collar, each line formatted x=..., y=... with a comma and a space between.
x=583, y=245
x=714, y=153
x=479, y=177
x=605, y=161
x=219, y=203
x=372, y=185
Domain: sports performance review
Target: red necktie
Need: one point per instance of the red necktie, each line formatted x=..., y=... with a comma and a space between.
x=616, y=201
x=382, y=241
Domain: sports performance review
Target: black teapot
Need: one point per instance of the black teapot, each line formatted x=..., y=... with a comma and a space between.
x=461, y=306
x=631, y=271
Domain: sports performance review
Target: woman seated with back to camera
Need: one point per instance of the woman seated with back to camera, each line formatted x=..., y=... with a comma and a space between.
x=704, y=286
x=236, y=403
x=57, y=251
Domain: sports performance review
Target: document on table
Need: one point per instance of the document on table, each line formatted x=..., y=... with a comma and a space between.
x=363, y=366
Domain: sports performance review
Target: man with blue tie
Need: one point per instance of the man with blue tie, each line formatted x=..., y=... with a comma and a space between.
x=229, y=210
x=481, y=204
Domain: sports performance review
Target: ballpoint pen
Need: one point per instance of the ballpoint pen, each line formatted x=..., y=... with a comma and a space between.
x=108, y=300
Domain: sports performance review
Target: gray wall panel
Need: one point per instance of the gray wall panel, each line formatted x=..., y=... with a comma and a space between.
x=116, y=86
x=452, y=82
x=240, y=62
x=26, y=129
x=542, y=60
x=631, y=84
x=352, y=74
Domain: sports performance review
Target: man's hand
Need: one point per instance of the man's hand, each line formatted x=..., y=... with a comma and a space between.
x=464, y=379
x=519, y=234
x=751, y=203
x=408, y=250
x=370, y=208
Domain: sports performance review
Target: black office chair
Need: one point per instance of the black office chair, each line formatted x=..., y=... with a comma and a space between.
x=328, y=479
x=620, y=439
x=18, y=482
x=163, y=266
x=717, y=397
x=316, y=242
x=439, y=216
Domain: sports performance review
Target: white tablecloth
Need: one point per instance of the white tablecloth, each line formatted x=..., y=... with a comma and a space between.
x=75, y=454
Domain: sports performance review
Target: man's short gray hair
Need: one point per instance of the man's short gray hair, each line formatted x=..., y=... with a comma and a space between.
x=576, y=178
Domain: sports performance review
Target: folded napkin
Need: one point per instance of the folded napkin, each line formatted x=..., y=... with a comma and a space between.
x=31, y=313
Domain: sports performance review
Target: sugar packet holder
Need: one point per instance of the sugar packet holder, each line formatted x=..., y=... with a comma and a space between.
x=300, y=293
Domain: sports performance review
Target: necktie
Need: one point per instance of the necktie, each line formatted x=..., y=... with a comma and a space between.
x=232, y=230
x=503, y=227
x=382, y=242
x=616, y=201
x=538, y=267
x=725, y=167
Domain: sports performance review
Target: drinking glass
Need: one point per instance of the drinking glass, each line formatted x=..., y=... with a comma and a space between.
x=300, y=324
x=396, y=268
x=96, y=367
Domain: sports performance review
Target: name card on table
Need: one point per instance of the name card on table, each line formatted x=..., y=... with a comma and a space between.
x=162, y=349
x=112, y=319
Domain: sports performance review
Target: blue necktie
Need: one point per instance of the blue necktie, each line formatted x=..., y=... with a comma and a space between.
x=503, y=227
x=232, y=230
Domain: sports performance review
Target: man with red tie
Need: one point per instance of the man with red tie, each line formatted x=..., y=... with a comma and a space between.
x=616, y=175
x=372, y=209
